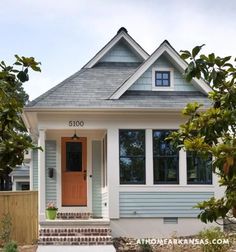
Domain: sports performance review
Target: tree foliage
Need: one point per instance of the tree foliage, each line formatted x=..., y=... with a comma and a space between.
x=14, y=140
x=212, y=131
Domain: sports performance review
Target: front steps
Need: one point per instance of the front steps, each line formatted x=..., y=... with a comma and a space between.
x=75, y=232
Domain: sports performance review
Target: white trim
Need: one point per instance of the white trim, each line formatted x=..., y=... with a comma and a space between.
x=158, y=88
x=149, y=157
x=113, y=172
x=41, y=176
x=113, y=42
x=164, y=47
x=31, y=171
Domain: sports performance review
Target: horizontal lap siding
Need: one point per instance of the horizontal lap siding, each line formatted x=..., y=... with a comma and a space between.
x=97, y=187
x=120, y=53
x=161, y=204
x=50, y=160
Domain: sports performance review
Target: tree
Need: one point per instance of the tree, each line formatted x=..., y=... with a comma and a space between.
x=14, y=139
x=212, y=131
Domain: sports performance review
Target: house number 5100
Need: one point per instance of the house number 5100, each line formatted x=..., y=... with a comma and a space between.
x=76, y=123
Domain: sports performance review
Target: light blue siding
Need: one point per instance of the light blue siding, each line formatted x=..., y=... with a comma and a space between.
x=161, y=204
x=35, y=169
x=97, y=184
x=145, y=81
x=105, y=205
x=121, y=53
x=50, y=162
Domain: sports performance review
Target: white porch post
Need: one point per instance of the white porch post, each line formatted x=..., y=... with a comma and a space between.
x=149, y=158
x=182, y=168
x=41, y=175
x=113, y=172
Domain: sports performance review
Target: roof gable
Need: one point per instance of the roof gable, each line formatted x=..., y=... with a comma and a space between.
x=173, y=56
x=146, y=82
x=122, y=52
x=122, y=36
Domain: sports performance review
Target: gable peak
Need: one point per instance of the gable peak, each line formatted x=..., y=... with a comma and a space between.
x=122, y=29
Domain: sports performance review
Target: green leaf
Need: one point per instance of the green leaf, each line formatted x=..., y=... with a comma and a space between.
x=196, y=50
x=22, y=76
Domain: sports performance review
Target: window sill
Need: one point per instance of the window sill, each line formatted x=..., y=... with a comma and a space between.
x=162, y=89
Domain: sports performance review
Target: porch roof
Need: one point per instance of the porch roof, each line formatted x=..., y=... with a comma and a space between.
x=90, y=88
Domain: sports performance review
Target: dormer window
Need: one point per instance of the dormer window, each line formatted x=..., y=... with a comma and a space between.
x=162, y=79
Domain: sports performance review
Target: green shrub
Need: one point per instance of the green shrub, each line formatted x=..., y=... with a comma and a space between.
x=145, y=247
x=11, y=246
x=216, y=240
x=6, y=227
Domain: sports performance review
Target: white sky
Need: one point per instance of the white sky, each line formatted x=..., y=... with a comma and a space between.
x=64, y=34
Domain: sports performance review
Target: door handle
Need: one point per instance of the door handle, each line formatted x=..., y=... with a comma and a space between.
x=85, y=174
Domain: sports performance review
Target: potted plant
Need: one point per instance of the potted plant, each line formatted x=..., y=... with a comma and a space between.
x=51, y=211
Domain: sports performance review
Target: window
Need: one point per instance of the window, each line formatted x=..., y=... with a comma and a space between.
x=165, y=159
x=132, y=156
x=199, y=170
x=162, y=78
x=74, y=156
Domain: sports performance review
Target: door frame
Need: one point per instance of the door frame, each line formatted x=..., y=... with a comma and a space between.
x=85, y=159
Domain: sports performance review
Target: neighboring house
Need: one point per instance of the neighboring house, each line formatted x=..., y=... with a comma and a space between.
x=103, y=134
x=20, y=178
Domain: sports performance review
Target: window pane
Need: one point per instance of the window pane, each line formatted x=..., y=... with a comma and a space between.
x=158, y=82
x=132, y=170
x=132, y=156
x=166, y=170
x=165, y=159
x=199, y=170
x=166, y=83
x=158, y=75
x=132, y=143
x=160, y=146
x=165, y=76
x=74, y=156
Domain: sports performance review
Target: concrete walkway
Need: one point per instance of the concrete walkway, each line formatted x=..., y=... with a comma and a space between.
x=98, y=248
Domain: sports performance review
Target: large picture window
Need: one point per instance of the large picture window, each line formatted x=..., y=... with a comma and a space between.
x=199, y=169
x=132, y=156
x=165, y=159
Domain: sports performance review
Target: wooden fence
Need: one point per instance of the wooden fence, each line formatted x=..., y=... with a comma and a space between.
x=23, y=210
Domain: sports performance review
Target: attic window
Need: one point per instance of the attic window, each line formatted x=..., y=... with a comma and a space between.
x=162, y=79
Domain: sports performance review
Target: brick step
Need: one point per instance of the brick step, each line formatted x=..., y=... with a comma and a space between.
x=99, y=231
x=73, y=216
x=75, y=240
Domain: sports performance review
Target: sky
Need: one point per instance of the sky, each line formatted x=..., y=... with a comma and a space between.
x=65, y=34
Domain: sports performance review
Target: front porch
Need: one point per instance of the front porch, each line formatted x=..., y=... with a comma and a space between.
x=66, y=176
x=85, y=222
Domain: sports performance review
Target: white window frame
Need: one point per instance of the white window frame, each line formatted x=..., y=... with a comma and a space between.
x=171, y=87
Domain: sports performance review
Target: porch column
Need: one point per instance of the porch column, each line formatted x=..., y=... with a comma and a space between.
x=41, y=175
x=182, y=168
x=113, y=172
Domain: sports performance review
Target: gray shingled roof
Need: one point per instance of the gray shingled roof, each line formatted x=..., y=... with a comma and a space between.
x=91, y=87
